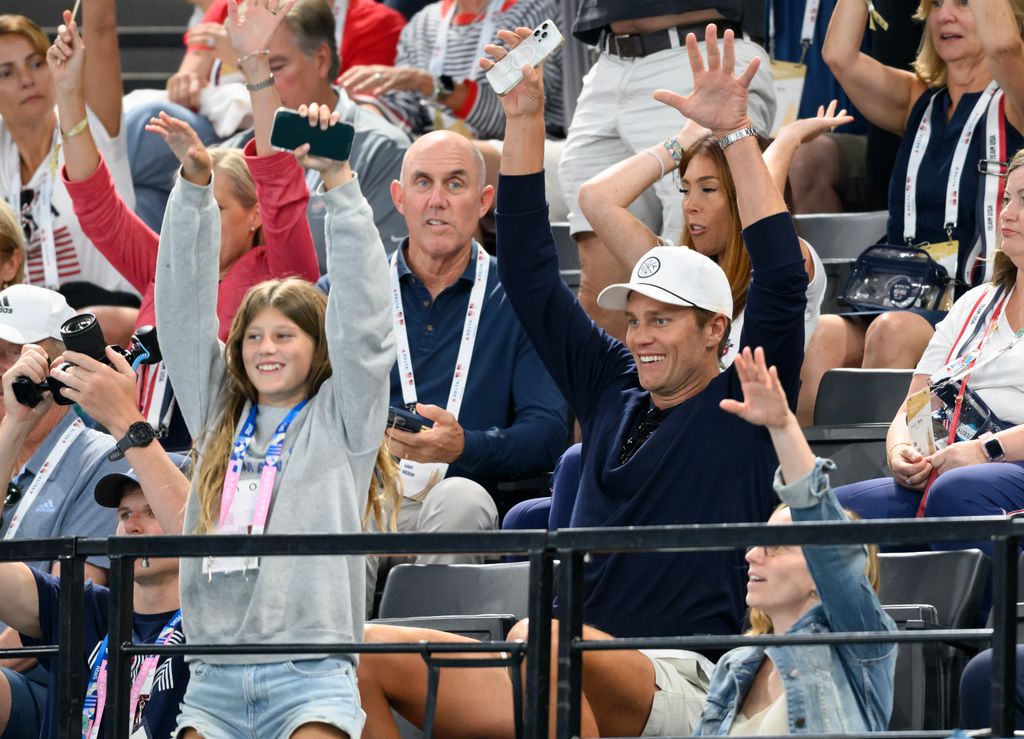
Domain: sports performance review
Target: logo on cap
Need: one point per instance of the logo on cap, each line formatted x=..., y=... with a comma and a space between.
x=5, y=305
x=649, y=267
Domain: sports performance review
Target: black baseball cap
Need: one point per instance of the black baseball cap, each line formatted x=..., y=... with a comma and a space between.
x=111, y=488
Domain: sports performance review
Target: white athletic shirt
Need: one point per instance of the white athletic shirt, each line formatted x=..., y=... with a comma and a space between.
x=1000, y=383
x=815, y=295
x=77, y=259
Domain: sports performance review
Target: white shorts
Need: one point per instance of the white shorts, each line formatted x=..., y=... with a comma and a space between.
x=682, y=678
x=616, y=117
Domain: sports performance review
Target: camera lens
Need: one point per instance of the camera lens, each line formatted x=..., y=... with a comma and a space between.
x=544, y=35
x=82, y=333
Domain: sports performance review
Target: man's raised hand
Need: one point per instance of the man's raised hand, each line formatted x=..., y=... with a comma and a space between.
x=527, y=98
x=719, y=98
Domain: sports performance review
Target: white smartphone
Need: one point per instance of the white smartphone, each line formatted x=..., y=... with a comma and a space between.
x=533, y=50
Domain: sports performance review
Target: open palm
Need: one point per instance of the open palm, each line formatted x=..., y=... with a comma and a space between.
x=719, y=98
x=764, y=400
x=252, y=23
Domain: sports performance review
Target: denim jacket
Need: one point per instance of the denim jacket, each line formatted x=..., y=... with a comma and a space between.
x=844, y=688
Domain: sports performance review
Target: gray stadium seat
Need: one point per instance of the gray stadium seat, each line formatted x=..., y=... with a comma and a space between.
x=457, y=590
x=841, y=235
x=944, y=589
x=568, y=255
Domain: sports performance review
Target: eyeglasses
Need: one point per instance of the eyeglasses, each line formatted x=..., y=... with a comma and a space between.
x=768, y=551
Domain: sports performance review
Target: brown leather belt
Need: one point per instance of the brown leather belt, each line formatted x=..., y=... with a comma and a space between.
x=636, y=45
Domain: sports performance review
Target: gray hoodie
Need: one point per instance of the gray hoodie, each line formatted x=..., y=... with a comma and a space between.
x=329, y=450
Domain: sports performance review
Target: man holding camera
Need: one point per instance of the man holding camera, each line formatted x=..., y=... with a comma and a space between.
x=52, y=460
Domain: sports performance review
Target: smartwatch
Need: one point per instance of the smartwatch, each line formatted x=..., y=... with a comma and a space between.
x=993, y=449
x=444, y=85
x=139, y=434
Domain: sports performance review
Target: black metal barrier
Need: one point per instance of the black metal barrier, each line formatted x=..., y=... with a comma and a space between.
x=569, y=546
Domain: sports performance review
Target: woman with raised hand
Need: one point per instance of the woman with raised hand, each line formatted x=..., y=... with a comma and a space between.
x=710, y=216
x=32, y=142
x=261, y=192
x=959, y=112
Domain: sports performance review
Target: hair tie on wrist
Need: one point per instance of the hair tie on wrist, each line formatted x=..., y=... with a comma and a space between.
x=661, y=164
x=250, y=55
x=76, y=129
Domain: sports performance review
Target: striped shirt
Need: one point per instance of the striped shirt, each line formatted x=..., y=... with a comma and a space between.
x=482, y=111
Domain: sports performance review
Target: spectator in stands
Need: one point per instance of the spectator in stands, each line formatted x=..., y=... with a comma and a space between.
x=978, y=345
x=303, y=57
x=641, y=50
x=976, y=691
x=649, y=410
x=31, y=605
x=12, y=248
x=294, y=404
x=436, y=82
x=59, y=256
x=365, y=32
x=947, y=109
x=753, y=690
x=52, y=461
x=263, y=200
x=496, y=413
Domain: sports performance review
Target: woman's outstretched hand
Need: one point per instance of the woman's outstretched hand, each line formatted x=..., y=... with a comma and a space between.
x=764, y=400
x=196, y=165
x=66, y=58
x=527, y=98
x=808, y=129
x=719, y=98
x=251, y=23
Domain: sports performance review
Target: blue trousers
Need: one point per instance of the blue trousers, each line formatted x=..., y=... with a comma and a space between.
x=554, y=512
x=978, y=490
x=153, y=164
x=976, y=691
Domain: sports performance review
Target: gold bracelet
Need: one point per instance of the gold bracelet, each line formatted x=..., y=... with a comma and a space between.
x=888, y=454
x=247, y=57
x=76, y=129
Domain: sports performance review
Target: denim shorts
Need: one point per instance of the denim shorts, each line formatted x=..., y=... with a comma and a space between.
x=270, y=701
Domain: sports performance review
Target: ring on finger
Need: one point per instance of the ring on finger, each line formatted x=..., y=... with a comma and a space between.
x=378, y=76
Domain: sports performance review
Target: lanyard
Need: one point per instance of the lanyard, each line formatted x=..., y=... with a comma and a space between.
x=142, y=685
x=45, y=470
x=440, y=53
x=267, y=476
x=807, y=29
x=995, y=183
x=41, y=209
x=340, y=16
x=469, y=328
x=917, y=152
x=151, y=394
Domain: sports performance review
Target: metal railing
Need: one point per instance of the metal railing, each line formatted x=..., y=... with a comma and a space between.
x=569, y=546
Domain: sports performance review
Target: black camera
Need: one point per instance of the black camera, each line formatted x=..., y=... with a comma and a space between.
x=82, y=333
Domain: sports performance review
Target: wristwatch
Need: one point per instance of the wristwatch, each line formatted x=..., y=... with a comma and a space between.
x=444, y=85
x=993, y=449
x=139, y=434
x=732, y=138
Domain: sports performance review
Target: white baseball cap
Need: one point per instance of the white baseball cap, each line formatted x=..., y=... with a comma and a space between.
x=676, y=275
x=29, y=314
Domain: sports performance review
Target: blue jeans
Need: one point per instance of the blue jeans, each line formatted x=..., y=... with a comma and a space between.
x=153, y=164
x=554, y=512
x=976, y=691
x=28, y=701
x=270, y=701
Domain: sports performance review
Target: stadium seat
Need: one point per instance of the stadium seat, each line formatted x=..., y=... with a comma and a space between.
x=851, y=419
x=841, y=236
x=456, y=590
x=931, y=590
x=568, y=255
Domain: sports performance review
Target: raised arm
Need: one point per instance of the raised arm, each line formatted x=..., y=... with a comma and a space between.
x=19, y=608
x=999, y=32
x=67, y=62
x=779, y=155
x=719, y=103
x=360, y=339
x=885, y=95
x=606, y=197
x=250, y=26
x=103, y=87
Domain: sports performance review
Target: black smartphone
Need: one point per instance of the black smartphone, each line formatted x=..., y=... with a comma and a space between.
x=400, y=418
x=291, y=131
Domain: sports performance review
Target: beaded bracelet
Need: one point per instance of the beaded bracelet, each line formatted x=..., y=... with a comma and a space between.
x=247, y=57
x=674, y=148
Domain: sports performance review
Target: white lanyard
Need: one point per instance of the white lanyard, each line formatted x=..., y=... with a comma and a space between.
x=917, y=151
x=45, y=470
x=807, y=30
x=41, y=209
x=995, y=156
x=340, y=16
x=440, y=53
x=462, y=362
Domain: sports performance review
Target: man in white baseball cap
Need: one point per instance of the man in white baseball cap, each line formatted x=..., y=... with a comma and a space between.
x=30, y=315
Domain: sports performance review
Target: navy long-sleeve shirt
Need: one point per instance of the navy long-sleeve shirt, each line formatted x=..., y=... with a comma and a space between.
x=701, y=465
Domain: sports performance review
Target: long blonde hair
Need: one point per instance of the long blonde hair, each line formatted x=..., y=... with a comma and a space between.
x=761, y=624
x=1004, y=271
x=385, y=495
x=12, y=243
x=302, y=303
x=928, y=65
x=230, y=163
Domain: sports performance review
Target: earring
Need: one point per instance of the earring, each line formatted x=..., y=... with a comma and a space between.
x=814, y=595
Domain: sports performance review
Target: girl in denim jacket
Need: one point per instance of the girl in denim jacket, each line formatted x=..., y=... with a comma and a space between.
x=843, y=688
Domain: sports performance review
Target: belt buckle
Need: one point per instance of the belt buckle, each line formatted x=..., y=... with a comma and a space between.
x=628, y=46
